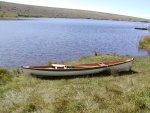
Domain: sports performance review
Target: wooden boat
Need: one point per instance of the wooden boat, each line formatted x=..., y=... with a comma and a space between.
x=141, y=28
x=80, y=69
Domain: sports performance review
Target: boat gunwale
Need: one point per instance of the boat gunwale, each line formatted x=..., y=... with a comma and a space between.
x=77, y=69
x=68, y=69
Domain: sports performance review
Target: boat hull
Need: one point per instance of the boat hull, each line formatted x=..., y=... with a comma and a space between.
x=121, y=67
x=141, y=28
x=67, y=72
x=83, y=69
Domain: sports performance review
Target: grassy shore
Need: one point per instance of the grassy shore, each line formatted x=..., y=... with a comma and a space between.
x=145, y=43
x=127, y=92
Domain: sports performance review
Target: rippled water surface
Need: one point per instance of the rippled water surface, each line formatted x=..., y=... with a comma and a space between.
x=37, y=41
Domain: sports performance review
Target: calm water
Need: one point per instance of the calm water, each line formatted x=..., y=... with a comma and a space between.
x=37, y=41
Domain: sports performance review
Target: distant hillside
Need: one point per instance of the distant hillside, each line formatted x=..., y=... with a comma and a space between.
x=19, y=10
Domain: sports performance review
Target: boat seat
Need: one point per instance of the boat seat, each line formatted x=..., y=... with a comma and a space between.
x=102, y=64
x=58, y=65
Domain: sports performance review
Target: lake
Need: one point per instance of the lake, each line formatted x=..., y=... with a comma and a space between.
x=37, y=41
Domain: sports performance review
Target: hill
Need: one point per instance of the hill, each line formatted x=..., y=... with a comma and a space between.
x=20, y=10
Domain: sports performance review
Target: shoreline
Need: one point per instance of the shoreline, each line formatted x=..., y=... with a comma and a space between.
x=78, y=60
x=26, y=18
x=128, y=91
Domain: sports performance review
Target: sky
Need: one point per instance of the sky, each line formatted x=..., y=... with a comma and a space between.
x=136, y=8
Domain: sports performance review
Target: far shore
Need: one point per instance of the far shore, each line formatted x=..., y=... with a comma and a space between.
x=21, y=10
x=26, y=18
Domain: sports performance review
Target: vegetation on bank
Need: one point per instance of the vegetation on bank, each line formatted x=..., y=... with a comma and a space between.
x=128, y=92
x=8, y=14
x=145, y=43
x=4, y=14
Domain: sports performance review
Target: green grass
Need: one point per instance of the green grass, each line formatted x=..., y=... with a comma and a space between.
x=8, y=14
x=127, y=93
x=145, y=43
x=31, y=15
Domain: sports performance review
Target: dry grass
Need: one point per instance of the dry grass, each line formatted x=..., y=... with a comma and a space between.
x=127, y=93
x=145, y=43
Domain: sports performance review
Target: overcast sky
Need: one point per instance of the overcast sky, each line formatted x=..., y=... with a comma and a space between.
x=136, y=8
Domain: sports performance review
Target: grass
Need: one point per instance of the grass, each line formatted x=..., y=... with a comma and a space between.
x=145, y=43
x=6, y=14
x=128, y=92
